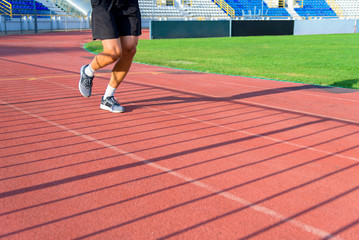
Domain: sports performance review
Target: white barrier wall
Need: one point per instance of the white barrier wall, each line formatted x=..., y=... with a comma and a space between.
x=55, y=23
x=301, y=27
x=307, y=27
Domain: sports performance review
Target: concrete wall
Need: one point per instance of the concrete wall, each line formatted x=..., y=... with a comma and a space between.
x=307, y=27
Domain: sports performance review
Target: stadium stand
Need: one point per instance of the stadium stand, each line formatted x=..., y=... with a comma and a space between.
x=335, y=7
x=350, y=8
x=73, y=8
x=252, y=8
x=26, y=7
x=54, y=8
x=204, y=9
x=315, y=8
x=44, y=8
x=5, y=9
x=151, y=9
x=196, y=9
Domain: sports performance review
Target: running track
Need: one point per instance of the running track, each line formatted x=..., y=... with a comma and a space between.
x=196, y=156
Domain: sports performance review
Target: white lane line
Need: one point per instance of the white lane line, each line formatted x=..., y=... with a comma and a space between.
x=243, y=131
x=253, y=103
x=259, y=135
x=258, y=208
x=296, y=92
x=246, y=132
x=247, y=85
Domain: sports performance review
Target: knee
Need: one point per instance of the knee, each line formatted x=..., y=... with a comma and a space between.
x=129, y=50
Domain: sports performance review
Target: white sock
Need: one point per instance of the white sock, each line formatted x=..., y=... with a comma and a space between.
x=110, y=91
x=89, y=71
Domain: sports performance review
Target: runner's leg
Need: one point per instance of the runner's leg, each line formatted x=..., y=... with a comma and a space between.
x=122, y=66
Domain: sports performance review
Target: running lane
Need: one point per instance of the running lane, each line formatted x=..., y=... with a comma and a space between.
x=196, y=156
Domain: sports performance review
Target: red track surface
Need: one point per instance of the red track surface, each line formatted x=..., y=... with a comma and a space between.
x=196, y=156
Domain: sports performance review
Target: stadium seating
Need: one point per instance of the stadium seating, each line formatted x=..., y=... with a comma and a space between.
x=26, y=7
x=318, y=8
x=350, y=8
x=205, y=9
x=149, y=9
x=310, y=8
x=256, y=8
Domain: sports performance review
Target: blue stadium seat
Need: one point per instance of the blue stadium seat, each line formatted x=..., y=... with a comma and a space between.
x=315, y=8
x=26, y=7
x=255, y=7
x=311, y=8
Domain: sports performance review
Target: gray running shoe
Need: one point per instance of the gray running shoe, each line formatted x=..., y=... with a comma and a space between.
x=110, y=104
x=85, y=83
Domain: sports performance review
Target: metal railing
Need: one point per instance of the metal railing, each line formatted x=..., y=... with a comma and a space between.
x=335, y=7
x=225, y=6
x=281, y=3
x=165, y=2
x=285, y=3
x=25, y=23
x=6, y=8
x=68, y=8
x=299, y=3
x=187, y=2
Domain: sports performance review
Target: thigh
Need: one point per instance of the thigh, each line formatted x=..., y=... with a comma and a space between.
x=113, y=46
x=129, y=42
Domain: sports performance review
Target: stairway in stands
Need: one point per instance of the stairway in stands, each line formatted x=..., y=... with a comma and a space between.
x=55, y=10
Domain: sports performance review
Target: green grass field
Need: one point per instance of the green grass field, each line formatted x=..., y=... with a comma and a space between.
x=330, y=60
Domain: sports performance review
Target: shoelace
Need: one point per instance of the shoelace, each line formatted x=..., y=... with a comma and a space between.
x=113, y=100
x=87, y=81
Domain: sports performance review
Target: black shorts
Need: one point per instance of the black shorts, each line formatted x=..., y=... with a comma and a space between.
x=113, y=19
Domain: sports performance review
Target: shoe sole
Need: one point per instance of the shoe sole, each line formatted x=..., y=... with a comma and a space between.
x=81, y=72
x=103, y=107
